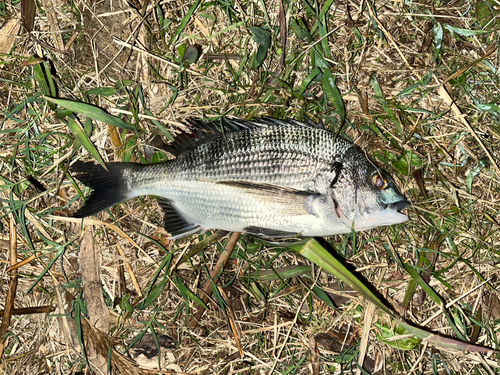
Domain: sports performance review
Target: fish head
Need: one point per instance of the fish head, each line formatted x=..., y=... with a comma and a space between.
x=364, y=196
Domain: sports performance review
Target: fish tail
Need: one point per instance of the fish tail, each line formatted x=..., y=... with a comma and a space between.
x=109, y=186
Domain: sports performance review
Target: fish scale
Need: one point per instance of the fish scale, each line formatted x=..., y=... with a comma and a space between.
x=274, y=178
x=266, y=155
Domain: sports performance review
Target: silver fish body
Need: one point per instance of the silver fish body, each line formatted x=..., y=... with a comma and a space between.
x=269, y=177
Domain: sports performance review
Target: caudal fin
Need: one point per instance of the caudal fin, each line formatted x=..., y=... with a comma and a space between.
x=109, y=186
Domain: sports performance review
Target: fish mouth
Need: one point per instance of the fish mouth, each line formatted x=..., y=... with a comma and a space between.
x=391, y=214
x=398, y=206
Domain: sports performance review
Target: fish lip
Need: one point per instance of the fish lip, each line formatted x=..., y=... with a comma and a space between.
x=399, y=206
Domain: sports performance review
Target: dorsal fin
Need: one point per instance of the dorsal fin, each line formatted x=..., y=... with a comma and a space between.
x=201, y=131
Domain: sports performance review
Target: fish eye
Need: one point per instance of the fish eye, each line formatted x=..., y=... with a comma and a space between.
x=379, y=181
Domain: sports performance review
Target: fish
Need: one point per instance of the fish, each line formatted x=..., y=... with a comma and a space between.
x=269, y=177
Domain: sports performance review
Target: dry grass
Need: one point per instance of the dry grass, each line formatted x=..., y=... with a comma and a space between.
x=388, y=66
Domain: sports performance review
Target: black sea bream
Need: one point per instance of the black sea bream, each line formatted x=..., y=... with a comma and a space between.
x=269, y=177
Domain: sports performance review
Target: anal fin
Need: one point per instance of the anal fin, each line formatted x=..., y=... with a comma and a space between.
x=175, y=223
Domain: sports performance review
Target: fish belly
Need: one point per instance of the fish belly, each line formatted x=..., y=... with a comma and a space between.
x=214, y=205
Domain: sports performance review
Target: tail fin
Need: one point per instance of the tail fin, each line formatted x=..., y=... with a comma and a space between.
x=109, y=186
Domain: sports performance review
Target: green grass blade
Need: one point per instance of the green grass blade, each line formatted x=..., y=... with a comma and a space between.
x=322, y=295
x=46, y=269
x=387, y=333
x=155, y=293
x=300, y=29
x=44, y=78
x=307, y=81
x=102, y=91
x=489, y=107
x=379, y=94
x=79, y=133
x=185, y=20
x=333, y=93
x=316, y=253
x=50, y=81
x=434, y=296
x=91, y=111
x=282, y=273
x=438, y=39
x=79, y=306
x=160, y=126
x=465, y=32
x=187, y=293
x=323, y=28
x=263, y=38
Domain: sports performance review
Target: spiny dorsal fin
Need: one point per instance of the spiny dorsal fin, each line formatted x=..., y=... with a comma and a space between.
x=202, y=131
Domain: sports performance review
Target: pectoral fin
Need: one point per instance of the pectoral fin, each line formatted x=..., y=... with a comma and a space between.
x=269, y=233
x=291, y=202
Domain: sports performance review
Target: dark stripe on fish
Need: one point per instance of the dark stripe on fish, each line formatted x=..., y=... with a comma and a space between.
x=337, y=168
